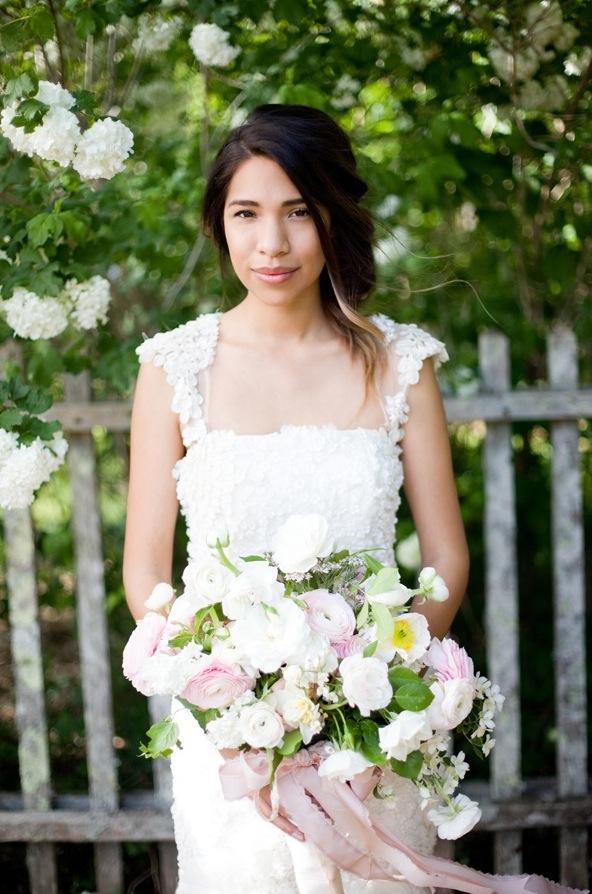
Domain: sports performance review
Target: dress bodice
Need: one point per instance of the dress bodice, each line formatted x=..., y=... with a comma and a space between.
x=250, y=483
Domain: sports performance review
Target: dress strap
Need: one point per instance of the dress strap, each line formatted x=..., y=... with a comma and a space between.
x=183, y=352
x=408, y=345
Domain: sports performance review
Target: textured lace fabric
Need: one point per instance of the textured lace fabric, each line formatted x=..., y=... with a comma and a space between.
x=250, y=483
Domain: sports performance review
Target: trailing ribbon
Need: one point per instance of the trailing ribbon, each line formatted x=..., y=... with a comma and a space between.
x=333, y=816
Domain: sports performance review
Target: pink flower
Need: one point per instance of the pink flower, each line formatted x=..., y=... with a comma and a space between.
x=329, y=613
x=142, y=644
x=349, y=645
x=215, y=684
x=449, y=660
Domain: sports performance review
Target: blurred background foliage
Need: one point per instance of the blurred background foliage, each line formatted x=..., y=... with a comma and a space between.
x=471, y=123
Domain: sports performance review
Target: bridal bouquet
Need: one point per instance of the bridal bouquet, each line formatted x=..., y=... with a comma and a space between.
x=307, y=648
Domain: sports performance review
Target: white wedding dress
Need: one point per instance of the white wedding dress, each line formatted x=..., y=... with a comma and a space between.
x=251, y=483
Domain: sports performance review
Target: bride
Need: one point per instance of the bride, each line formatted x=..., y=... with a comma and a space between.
x=294, y=400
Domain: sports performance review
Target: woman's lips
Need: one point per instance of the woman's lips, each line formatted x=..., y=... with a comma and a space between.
x=275, y=277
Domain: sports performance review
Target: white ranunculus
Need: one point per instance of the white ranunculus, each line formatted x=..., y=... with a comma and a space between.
x=257, y=583
x=453, y=822
x=56, y=137
x=300, y=541
x=30, y=316
x=102, y=149
x=410, y=638
x=54, y=95
x=329, y=613
x=161, y=596
x=343, y=765
x=366, y=684
x=269, y=636
x=182, y=611
x=210, y=45
x=452, y=702
x=261, y=726
x=89, y=301
x=206, y=581
x=404, y=734
x=432, y=585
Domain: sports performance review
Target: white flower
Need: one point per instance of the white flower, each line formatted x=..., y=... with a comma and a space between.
x=314, y=655
x=18, y=137
x=410, y=638
x=453, y=700
x=89, y=301
x=30, y=316
x=24, y=467
x=56, y=137
x=269, y=637
x=488, y=744
x=452, y=822
x=297, y=710
x=404, y=734
x=167, y=673
x=182, y=611
x=206, y=581
x=343, y=765
x=257, y=583
x=102, y=149
x=218, y=532
x=386, y=588
x=54, y=95
x=155, y=33
x=210, y=45
x=366, y=684
x=261, y=726
x=300, y=541
x=160, y=597
x=225, y=731
x=408, y=553
x=432, y=586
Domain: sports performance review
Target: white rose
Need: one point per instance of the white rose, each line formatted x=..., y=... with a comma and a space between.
x=261, y=726
x=160, y=597
x=366, y=684
x=206, y=581
x=453, y=700
x=257, y=583
x=432, y=585
x=314, y=654
x=268, y=637
x=404, y=734
x=300, y=541
x=452, y=822
x=343, y=765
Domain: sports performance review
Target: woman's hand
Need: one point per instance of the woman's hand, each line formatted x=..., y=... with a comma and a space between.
x=263, y=805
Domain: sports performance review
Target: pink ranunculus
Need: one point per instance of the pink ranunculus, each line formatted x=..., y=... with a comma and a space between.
x=449, y=660
x=329, y=613
x=215, y=684
x=349, y=645
x=143, y=643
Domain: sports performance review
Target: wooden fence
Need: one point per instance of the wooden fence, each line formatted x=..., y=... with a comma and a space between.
x=510, y=804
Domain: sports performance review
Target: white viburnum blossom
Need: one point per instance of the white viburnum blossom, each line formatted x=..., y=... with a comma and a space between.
x=54, y=95
x=89, y=301
x=30, y=316
x=25, y=467
x=102, y=149
x=56, y=137
x=155, y=33
x=18, y=137
x=210, y=45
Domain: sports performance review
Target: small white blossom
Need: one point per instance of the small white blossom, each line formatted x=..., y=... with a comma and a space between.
x=89, y=301
x=210, y=45
x=30, y=316
x=24, y=467
x=102, y=149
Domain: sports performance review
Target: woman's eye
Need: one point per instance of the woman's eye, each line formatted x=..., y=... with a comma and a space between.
x=295, y=211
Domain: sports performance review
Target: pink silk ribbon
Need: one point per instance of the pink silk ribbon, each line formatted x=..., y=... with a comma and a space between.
x=336, y=820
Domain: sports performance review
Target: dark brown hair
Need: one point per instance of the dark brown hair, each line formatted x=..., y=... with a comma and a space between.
x=316, y=154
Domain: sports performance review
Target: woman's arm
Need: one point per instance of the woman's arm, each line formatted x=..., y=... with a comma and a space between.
x=431, y=492
x=155, y=446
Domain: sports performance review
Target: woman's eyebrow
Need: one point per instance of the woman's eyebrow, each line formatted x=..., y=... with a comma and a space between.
x=256, y=204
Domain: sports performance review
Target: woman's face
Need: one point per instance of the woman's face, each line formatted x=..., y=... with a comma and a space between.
x=267, y=225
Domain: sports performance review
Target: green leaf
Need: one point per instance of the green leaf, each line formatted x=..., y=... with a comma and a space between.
x=410, y=767
x=274, y=757
x=162, y=736
x=370, y=649
x=414, y=696
x=383, y=619
x=41, y=23
x=372, y=564
x=399, y=675
x=370, y=745
x=40, y=228
x=180, y=639
x=292, y=740
x=10, y=418
x=362, y=615
x=384, y=581
x=37, y=401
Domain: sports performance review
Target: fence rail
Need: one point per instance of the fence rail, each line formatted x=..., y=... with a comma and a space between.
x=509, y=803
